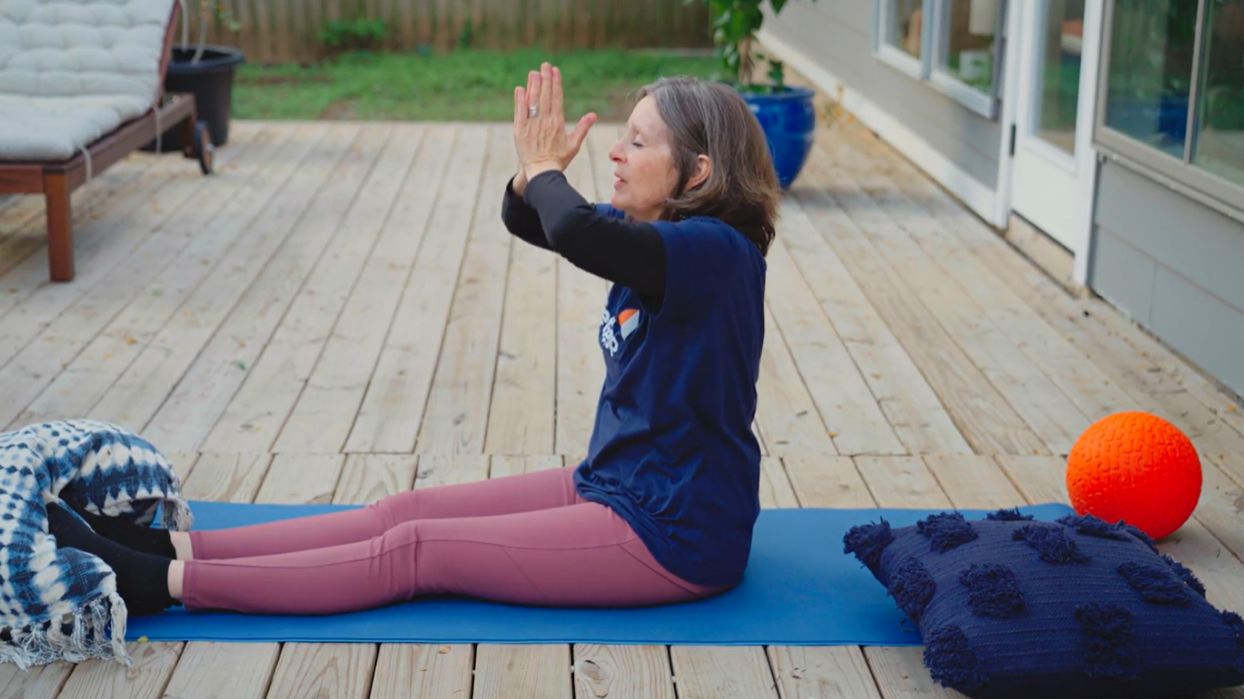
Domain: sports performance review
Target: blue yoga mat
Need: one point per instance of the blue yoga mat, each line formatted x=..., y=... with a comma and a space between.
x=799, y=589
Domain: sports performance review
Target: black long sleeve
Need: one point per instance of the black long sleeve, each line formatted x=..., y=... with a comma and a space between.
x=554, y=216
x=521, y=219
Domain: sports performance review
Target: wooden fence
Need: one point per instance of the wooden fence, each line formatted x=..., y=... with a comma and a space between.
x=276, y=31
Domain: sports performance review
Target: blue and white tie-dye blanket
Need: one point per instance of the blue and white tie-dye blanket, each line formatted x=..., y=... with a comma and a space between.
x=62, y=604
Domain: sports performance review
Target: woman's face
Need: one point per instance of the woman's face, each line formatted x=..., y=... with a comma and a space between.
x=645, y=175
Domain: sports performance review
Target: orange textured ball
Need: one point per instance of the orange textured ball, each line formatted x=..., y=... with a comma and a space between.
x=1138, y=468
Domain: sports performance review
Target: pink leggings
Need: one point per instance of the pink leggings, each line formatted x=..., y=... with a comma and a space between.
x=526, y=539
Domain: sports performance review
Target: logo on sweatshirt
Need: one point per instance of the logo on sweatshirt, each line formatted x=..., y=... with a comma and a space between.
x=626, y=322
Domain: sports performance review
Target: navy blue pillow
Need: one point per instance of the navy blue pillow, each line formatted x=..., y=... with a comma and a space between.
x=1012, y=607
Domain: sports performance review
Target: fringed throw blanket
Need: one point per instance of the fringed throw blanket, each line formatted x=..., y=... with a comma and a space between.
x=62, y=604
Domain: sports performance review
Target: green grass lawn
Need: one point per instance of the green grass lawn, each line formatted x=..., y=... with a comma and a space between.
x=465, y=85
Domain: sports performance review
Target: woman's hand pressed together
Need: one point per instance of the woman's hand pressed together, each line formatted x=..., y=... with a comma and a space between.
x=540, y=135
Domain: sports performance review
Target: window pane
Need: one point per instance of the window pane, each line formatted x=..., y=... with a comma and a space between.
x=969, y=41
x=1060, y=73
x=904, y=20
x=1220, y=143
x=1150, y=73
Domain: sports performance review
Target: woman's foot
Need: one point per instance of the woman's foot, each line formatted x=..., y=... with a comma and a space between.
x=142, y=578
x=181, y=545
x=135, y=537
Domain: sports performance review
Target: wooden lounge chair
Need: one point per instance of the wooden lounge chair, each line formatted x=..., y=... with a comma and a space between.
x=81, y=86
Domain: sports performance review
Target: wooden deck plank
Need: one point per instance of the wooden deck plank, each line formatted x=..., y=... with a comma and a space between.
x=786, y=414
x=39, y=682
x=325, y=412
x=822, y=672
x=106, y=679
x=366, y=479
x=109, y=351
x=983, y=415
x=23, y=225
x=456, y=416
x=301, y=478
x=842, y=396
x=224, y=323
x=98, y=205
x=967, y=319
x=203, y=394
x=526, y=671
x=1093, y=328
x=622, y=672
x=775, y=486
x=103, y=237
x=827, y=482
x=324, y=671
x=972, y=231
x=1223, y=404
x=892, y=187
x=182, y=462
x=722, y=672
x=1220, y=507
x=329, y=670
x=973, y=478
x=256, y=414
x=522, y=412
x=49, y=329
x=446, y=469
x=1231, y=464
x=223, y=671
x=902, y=482
x=614, y=671
x=392, y=410
x=227, y=477
x=370, y=477
x=445, y=671
x=501, y=465
x=580, y=299
x=423, y=671
x=910, y=404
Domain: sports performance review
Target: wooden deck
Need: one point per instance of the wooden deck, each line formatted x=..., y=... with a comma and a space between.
x=339, y=314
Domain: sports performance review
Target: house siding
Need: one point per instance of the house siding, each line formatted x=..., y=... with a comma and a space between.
x=837, y=35
x=1174, y=266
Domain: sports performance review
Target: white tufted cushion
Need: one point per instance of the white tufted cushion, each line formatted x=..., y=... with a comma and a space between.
x=72, y=71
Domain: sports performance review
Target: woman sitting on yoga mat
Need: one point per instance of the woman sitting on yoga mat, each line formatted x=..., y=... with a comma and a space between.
x=662, y=508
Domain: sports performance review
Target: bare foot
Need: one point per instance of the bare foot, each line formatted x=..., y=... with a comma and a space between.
x=181, y=544
x=176, y=575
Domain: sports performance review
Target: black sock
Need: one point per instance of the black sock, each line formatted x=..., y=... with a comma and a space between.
x=132, y=536
x=142, y=579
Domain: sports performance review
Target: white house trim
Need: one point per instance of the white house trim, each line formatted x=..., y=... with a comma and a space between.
x=978, y=197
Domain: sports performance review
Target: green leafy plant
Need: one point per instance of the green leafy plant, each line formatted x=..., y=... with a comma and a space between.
x=735, y=23
x=354, y=35
x=224, y=15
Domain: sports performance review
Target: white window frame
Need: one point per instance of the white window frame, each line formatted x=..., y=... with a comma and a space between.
x=928, y=68
x=1181, y=174
x=917, y=68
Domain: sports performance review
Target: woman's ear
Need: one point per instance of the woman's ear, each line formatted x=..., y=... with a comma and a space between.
x=703, y=168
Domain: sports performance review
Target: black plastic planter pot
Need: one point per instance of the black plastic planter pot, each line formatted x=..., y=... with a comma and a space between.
x=210, y=80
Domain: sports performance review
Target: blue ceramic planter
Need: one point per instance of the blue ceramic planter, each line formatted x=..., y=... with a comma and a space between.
x=789, y=121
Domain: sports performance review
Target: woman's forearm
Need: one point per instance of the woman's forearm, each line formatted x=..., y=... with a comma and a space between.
x=624, y=252
x=519, y=218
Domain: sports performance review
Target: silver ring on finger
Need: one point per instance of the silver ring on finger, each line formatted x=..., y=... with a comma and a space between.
x=532, y=112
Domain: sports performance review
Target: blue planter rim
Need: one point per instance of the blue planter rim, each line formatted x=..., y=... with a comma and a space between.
x=788, y=93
